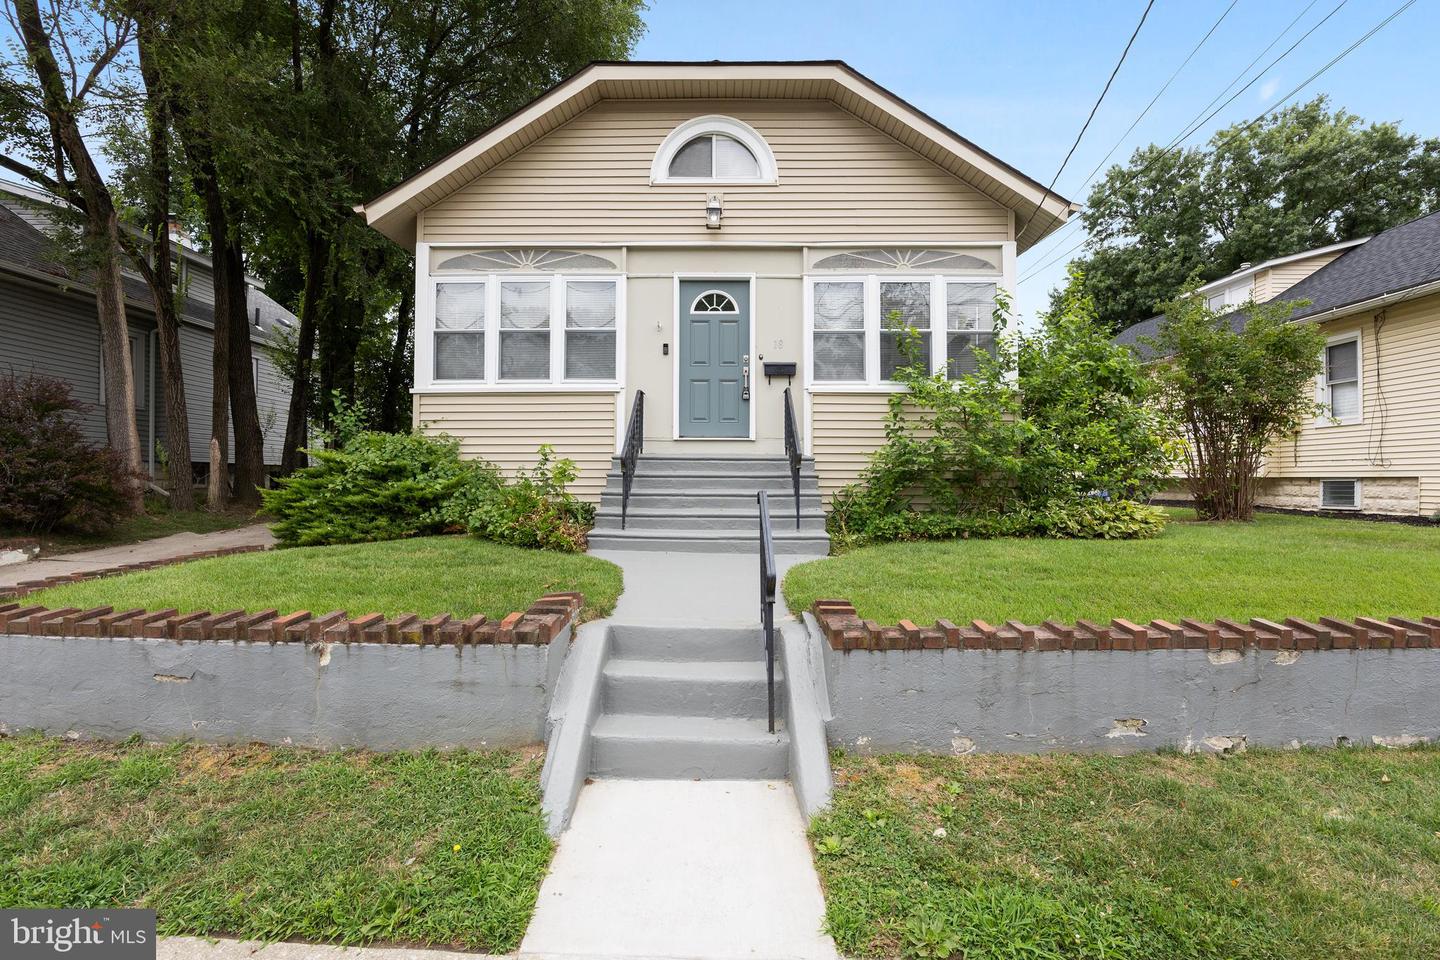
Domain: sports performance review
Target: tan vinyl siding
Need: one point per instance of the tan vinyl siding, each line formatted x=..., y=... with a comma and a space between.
x=508, y=428
x=1399, y=435
x=840, y=180
x=848, y=427
x=1273, y=281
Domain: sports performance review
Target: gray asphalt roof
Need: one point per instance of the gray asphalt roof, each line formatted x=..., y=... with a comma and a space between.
x=1398, y=259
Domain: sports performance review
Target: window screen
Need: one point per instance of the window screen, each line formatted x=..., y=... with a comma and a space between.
x=460, y=331
x=904, y=305
x=1342, y=379
x=839, y=339
x=525, y=330
x=590, y=330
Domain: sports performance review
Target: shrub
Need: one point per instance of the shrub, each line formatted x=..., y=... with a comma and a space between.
x=535, y=510
x=1063, y=450
x=49, y=474
x=380, y=486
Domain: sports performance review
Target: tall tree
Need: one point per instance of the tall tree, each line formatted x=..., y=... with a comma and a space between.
x=1305, y=177
x=47, y=103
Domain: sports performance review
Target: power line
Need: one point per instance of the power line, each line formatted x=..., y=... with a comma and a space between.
x=1161, y=92
x=1098, y=100
x=1201, y=118
x=1271, y=109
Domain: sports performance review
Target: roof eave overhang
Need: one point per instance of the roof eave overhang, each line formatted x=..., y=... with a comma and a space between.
x=1039, y=211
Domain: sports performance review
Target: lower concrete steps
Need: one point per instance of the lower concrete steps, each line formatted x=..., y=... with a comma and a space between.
x=687, y=688
x=705, y=748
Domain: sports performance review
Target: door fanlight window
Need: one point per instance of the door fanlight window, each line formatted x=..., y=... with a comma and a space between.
x=714, y=301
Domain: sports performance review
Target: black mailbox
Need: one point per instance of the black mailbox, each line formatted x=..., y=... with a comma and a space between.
x=786, y=370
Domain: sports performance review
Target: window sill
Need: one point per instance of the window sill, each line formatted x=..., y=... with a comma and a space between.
x=1327, y=424
x=513, y=387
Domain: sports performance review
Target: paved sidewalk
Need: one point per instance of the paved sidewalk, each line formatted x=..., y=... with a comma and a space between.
x=698, y=589
x=196, y=948
x=715, y=869
x=164, y=548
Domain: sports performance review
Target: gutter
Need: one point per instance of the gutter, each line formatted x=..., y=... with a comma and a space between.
x=1398, y=296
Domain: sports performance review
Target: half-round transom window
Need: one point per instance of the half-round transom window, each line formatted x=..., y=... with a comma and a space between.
x=713, y=150
x=714, y=301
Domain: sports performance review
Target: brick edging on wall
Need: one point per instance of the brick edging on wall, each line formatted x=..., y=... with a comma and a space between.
x=26, y=587
x=538, y=625
x=845, y=631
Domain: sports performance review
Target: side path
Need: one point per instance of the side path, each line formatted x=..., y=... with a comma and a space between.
x=175, y=546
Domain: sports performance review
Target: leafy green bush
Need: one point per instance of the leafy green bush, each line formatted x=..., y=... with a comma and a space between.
x=536, y=510
x=1065, y=449
x=380, y=486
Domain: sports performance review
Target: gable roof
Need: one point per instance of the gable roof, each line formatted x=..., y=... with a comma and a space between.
x=393, y=213
x=1396, y=264
x=1243, y=272
x=27, y=249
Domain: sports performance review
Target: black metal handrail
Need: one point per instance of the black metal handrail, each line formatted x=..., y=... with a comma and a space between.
x=792, y=452
x=634, y=446
x=767, y=601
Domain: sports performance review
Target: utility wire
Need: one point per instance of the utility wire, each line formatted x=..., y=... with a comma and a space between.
x=1098, y=100
x=1161, y=92
x=1201, y=118
x=1269, y=110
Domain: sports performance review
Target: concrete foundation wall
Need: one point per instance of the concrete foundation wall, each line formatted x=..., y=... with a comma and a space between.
x=378, y=696
x=1389, y=495
x=958, y=701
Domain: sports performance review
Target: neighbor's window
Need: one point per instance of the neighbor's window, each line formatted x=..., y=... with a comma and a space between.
x=590, y=330
x=1342, y=380
x=948, y=319
x=526, y=340
x=460, y=331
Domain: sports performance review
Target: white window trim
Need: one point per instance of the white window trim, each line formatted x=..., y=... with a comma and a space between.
x=426, y=286
x=727, y=126
x=1327, y=419
x=1359, y=494
x=873, y=383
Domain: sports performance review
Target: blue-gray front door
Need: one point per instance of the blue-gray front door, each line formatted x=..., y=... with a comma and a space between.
x=714, y=358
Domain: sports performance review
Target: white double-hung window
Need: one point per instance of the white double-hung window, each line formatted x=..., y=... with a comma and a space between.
x=503, y=329
x=1341, y=385
x=862, y=329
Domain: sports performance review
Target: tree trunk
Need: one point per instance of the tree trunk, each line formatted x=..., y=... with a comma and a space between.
x=297, y=426
x=116, y=363
x=244, y=408
x=397, y=372
x=161, y=278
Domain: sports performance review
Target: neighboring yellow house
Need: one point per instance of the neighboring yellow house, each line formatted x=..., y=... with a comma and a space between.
x=709, y=234
x=1377, y=448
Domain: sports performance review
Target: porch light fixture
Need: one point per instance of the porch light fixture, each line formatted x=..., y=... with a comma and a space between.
x=713, y=212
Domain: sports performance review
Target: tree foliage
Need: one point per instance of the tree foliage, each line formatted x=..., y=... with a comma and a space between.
x=1305, y=177
x=1235, y=392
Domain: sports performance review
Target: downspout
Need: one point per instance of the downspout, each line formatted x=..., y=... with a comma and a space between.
x=150, y=396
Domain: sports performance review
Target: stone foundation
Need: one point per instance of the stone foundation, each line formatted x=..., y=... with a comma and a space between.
x=1396, y=496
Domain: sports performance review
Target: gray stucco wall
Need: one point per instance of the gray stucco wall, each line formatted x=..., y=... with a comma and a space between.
x=379, y=696
x=952, y=701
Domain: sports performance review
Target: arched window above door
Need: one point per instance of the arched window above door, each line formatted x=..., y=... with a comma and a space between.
x=714, y=301
x=713, y=149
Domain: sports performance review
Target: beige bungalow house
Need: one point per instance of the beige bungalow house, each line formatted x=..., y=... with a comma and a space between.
x=705, y=237
x=1375, y=448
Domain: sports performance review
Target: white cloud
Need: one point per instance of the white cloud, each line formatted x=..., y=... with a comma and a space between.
x=1269, y=88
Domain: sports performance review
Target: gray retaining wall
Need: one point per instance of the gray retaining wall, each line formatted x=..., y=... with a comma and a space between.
x=958, y=701
x=379, y=696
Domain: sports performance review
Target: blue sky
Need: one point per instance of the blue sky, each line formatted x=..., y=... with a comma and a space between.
x=1019, y=78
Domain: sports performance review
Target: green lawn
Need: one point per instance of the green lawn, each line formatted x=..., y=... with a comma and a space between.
x=1311, y=855
x=158, y=520
x=1278, y=566
x=429, y=575
x=269, y=844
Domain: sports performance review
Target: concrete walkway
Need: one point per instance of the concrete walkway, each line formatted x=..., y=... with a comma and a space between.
x=715, y=869
x=698, y=589
x=164, y=548
x=196, y=948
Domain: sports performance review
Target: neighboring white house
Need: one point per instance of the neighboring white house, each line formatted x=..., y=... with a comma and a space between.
x=1376, y=448
x=709, y=234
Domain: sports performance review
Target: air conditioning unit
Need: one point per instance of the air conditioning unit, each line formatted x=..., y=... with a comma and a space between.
x=1340, y=494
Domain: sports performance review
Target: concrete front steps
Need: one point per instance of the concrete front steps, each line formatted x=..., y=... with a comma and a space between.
x=687, y=703
x=700, y=504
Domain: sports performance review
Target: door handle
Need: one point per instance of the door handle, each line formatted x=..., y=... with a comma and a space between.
x=745, y=377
